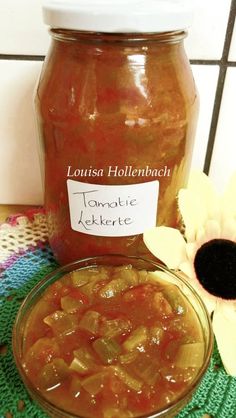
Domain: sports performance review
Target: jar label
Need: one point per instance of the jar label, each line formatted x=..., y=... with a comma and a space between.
x=112, y=211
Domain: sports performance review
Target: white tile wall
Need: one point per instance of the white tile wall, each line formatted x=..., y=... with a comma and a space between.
x=21, y=28
x=232, y=52
x=206, y=77
x=224, y=154
x=20, y=180
x=206, y=37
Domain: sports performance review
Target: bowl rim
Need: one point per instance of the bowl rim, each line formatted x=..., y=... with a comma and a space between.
x=48, y=280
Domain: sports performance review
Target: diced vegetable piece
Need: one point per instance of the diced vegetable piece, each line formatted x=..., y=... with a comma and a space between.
x=113, y=288
x=128, y=357
x=95, y=383
x=75, y=386
x=35, y=321
x=190, y=355
x=43, y=351
x=113, y=327
x=143, y=276
x=70, y=304
x=91, y=287
x=147, y=370
x=137, y=338
x=117, y=413
x=161, y=304
x=83, y=362
x=88, y=288
x=82, y=277
x=107, y=349
x=128, y=274
x=175, y=299
x=90, y=322
x=79, y=278
x=136, y=294
x=127, y=379
x=156, y=334
x=123, y=278
x=53, y=374
x=62, y=323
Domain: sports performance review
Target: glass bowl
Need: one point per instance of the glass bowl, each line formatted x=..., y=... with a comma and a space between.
x=172, y=408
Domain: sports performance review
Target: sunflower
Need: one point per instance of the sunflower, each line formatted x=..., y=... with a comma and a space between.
x=206, y=254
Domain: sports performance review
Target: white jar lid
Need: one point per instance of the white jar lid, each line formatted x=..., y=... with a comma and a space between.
x=118, y=16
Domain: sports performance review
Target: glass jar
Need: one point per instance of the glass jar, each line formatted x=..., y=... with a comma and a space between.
x=117, y=112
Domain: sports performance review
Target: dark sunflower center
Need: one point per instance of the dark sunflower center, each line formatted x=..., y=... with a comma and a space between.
x=215, y=267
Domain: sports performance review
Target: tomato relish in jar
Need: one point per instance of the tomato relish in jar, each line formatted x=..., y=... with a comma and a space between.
x=117, y=109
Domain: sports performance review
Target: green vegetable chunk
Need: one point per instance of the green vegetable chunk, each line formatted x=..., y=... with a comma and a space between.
x=190, y=355
x=82, y=277
x=70, y=304
x=175, y=299
x=90, y=322
x=127, y=379
x=156, y=334
x=128, y=357
x=138, y=337
x=107, y=349
x=62, y=323
x=112, y=328
x=123, y=278
x=147, y=370
x=94, y=384
x=53, y=374
x=83, y=362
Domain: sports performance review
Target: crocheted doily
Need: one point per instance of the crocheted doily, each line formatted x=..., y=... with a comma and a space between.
x=25, y=258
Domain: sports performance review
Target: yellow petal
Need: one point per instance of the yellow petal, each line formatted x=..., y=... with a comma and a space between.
x=229, y=198
x=198, y=203
x=228, y=307
x=201, y=236
x=187, y=268
x=224, y=328
x=191, y=249
x=228, y=229
x=213, y=230
x=200, y=184
x=167, y=244
x=193, y=211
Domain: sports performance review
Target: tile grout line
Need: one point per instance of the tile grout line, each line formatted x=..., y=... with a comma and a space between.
x=224, y=64
x=212, y=62
x=25, y=57
x=19, y=57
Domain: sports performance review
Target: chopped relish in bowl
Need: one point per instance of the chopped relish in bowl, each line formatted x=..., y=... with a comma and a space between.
x=112, y=342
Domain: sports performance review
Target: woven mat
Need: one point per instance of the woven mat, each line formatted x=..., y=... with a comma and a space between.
x=25, y=258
